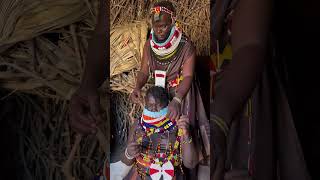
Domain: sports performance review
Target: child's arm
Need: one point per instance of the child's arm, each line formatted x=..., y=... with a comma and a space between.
x=120, y=169
x=133, y=148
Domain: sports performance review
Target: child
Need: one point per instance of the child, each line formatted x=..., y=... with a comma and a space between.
x=158, y=148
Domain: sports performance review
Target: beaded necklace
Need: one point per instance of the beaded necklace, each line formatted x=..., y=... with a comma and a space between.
x=169, y=46
x=158, y=163
x=165, y=60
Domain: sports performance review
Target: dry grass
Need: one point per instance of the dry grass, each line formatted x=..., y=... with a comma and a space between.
x=43, y=45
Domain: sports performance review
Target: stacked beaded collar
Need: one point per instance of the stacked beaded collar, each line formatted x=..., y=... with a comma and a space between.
x=156, y=122
x=169, y=46
x=160, y=164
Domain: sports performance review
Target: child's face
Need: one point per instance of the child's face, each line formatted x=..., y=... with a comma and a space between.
x=153, y=104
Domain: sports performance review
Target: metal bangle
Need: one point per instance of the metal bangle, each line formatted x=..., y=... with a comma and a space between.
x=221, y=123
x=127, y=154
x=177, y=99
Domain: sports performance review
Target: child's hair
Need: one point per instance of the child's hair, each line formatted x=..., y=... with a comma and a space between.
x=159, y=93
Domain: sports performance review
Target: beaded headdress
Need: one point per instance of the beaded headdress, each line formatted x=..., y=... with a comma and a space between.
x=158, y=9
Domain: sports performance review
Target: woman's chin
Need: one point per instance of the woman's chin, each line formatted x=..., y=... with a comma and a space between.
x=161, y=38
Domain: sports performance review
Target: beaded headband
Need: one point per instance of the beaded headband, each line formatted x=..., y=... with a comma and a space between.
x=158, y=9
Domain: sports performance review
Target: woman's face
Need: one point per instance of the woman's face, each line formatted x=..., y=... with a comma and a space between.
x=162, y=26
x=153, y=104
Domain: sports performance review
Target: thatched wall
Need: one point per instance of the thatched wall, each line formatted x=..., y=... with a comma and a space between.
x=43, y=45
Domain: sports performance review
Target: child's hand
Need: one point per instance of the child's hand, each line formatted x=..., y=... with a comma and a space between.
x=133, y=149
x=183, y=123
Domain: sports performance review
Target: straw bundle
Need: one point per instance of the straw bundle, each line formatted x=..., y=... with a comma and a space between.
x=48, y=148
x=126, y=46
x=50, y=64
x=25, y=19
x=43, y=45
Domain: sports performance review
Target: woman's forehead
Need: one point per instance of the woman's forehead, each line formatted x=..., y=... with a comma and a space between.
x=163, y=18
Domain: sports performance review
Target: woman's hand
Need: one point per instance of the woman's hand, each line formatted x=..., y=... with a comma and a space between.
x=174, y=110
x=183, y=123
x=136, y=95
x=85, y=112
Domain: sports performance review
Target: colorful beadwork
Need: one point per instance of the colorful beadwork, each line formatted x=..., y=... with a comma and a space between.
x=156, y=122
x=158, y=162
x=157, y=10
x=169, y=46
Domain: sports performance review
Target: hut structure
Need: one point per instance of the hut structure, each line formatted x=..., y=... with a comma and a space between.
x=43, y=46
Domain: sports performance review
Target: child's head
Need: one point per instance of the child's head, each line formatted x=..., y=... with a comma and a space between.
x=156, y=98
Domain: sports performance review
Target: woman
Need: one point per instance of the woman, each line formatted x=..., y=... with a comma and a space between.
x=169, y=59
x=85, y=112
x=250, y=109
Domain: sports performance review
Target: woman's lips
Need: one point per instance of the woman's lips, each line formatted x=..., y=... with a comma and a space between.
x=161, y=37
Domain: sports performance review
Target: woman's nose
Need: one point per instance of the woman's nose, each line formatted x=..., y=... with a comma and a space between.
x=159, y=31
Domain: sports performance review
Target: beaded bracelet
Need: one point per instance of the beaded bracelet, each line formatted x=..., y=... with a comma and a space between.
x=187, y=142
x=127, y=154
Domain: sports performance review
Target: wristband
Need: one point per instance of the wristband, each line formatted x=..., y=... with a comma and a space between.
x=188, y=141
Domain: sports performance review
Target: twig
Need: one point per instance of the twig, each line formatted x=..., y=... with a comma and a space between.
x=67, y=165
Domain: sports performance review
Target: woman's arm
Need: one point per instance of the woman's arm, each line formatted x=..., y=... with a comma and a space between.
x=184, y=86
x=142, y=77
x=85, y=112
x=187, y=73
x=250, y=26
x=97, y=63
x=143, y=74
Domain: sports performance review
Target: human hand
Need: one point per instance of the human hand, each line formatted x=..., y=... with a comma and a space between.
x=133, y=149
x=183, y=123
x=174, y=110
x=85, y=112
x=135, y=96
